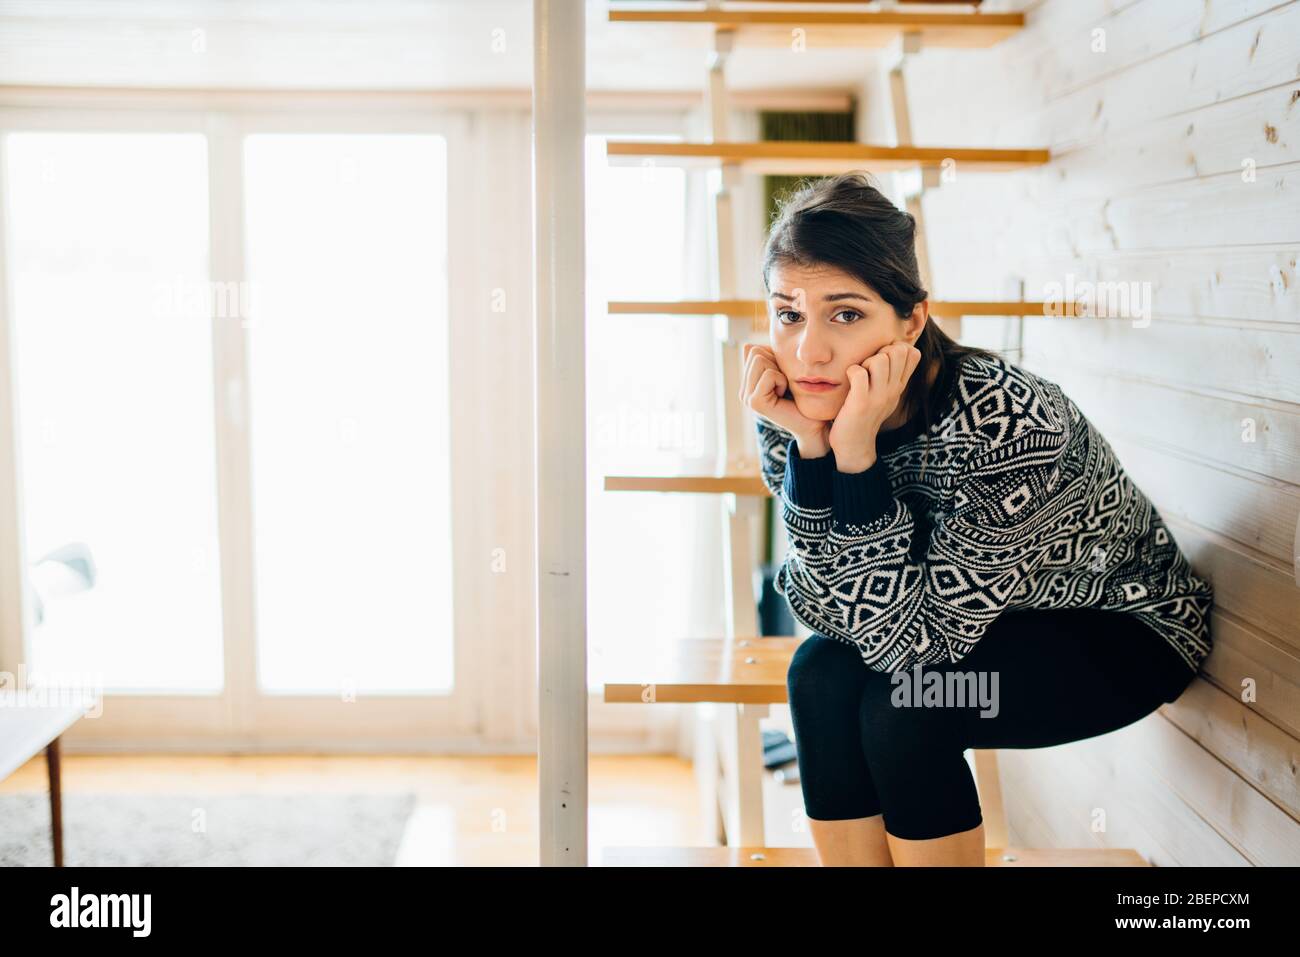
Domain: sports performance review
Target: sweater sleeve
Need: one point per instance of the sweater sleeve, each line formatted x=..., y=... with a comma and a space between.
x=773, y=447
x=791, y=478
x=859, y=576
x=802, y=487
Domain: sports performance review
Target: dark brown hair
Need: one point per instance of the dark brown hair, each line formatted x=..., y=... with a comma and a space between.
x=846, y=222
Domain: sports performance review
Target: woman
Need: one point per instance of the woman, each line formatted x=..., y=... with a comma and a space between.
x=976, y=567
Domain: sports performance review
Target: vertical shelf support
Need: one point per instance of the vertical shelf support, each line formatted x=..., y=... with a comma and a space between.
x=987, y=780
x=909, y=46
x=739, y=751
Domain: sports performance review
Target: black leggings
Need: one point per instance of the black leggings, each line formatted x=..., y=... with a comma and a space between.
x=1048, y=677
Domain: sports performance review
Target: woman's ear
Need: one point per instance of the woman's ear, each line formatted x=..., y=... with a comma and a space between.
x=916, y=323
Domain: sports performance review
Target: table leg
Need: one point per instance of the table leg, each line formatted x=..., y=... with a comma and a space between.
x=56, y=800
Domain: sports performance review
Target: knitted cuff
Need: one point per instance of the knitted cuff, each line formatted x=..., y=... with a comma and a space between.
x=859, y=498
x=808, y=481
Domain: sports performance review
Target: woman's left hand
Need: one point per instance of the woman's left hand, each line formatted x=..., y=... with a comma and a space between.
x=876, y=387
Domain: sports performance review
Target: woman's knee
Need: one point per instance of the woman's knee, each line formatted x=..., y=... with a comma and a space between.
x=822, y=670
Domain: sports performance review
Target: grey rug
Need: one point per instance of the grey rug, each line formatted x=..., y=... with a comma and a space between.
x=206, y=830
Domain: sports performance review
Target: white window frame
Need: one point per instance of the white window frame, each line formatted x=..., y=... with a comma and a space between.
x=240, y=716
x=494, y=707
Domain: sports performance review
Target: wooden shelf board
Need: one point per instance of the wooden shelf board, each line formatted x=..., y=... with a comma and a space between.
x=740, y=308
x=756, y=309
x=744, y=670
x=807, y=857
x=835, y=28
x=748, y=484
x=798, y=158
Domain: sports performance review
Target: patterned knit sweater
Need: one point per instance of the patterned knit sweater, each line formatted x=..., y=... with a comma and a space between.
x=1011, y=499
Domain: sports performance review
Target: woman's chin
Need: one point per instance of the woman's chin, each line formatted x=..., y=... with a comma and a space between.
x=820, y=408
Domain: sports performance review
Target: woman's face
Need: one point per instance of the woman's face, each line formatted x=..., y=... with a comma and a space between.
x=823, y=320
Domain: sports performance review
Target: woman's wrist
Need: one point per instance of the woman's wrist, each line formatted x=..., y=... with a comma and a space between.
x=813, y=446
x=858, y=460
x=855, y=464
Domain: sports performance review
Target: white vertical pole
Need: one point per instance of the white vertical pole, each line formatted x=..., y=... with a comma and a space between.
x=559, y=130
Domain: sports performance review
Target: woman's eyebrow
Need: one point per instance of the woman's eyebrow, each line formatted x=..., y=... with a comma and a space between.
x=833, y=297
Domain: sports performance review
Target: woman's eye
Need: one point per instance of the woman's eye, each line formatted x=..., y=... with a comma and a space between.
x=781, y=314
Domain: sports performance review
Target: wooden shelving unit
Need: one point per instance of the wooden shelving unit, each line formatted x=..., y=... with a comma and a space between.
x=834, y=28
x=798, y=159
x=744, y=672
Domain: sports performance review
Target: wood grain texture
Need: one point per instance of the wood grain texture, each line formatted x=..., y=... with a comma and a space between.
x=1175, y=156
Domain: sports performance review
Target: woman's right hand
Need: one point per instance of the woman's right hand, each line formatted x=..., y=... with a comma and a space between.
x=764, y=388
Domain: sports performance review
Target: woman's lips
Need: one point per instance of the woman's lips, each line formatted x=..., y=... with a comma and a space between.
x=816, y=386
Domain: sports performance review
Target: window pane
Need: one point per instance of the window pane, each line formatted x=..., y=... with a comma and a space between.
x=108, y=254
x=347, y=251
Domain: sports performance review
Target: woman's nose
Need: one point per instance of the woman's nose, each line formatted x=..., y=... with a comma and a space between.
x=813, y=349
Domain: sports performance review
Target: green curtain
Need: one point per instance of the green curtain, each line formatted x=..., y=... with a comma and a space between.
x=808, y=127
x=819, y=127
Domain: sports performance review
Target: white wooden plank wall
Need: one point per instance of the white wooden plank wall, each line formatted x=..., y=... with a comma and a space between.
x=1147, y=186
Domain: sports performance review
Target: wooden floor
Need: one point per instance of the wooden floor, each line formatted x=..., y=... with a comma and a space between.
x=471, y=811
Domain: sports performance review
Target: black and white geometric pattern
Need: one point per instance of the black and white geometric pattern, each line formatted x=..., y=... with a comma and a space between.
x=1021, y=504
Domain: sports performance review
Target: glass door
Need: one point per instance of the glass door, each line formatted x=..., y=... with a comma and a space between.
x=231, y=359
x=107, y=233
